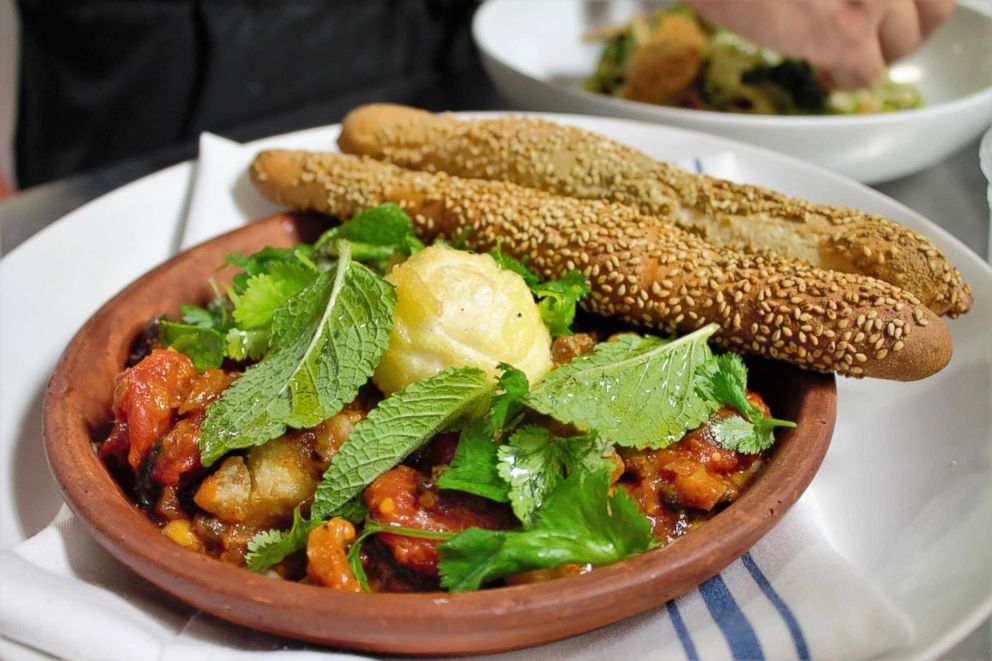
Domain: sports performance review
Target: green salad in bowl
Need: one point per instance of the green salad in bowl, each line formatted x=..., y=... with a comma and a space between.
x=674, y=57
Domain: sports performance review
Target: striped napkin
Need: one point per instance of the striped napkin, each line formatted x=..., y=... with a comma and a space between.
x=791, y=596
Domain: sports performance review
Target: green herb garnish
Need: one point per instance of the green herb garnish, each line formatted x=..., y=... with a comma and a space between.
x=325, y=345
x=269, y=547
x=532, y=462
x=556, y=299
x=635, y=391
x=724, y=378
x=376, y=235
x=473, y=468
x=579, y=523
x=400, y=424
x=266, y=293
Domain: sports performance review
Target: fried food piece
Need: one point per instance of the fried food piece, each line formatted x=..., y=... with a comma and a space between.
x=262, y=491
x=327, y=556
x=456, y=309
x=577, y=163
x=667, y=63
x=641, y=271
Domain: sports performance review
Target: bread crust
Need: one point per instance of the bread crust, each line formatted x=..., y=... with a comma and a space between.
x=573, y=162
x=641, y=271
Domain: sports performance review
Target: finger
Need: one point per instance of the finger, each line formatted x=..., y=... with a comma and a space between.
x=862, y=69
x=932, y=13
x=899, y=31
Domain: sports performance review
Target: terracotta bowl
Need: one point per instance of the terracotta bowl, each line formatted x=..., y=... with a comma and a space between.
x=77, y=416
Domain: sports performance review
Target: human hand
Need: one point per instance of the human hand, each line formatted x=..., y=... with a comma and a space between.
x=850, y=41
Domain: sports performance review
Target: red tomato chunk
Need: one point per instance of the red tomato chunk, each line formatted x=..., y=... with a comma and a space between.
x=405, y=497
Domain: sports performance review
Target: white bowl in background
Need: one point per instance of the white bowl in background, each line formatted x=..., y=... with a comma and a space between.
x=535, y=55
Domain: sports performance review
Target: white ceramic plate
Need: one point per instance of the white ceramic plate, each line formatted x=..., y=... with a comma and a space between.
x=535, y=55
x=904, y=493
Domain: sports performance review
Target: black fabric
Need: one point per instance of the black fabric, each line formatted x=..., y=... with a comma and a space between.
x=103, y=80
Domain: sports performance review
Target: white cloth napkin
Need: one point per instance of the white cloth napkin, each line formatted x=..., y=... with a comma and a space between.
x=791, y=596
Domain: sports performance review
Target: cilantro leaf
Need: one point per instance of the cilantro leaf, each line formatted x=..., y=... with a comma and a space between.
x=264, y=260
x=723, y=379
x=532, y=462
x=557, y=301
x=266, y=293
x=580, y=522
x=205, y=346
x=375, y=234
x=246, y=344
x=215, y=315
x=473, y=468
x=508, y=263
x=325, y=345
x=197, y=316
x=635, y=391
x=269, y=547
x=396, y=427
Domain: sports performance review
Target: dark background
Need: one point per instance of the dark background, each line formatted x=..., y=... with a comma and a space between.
x=103, y=81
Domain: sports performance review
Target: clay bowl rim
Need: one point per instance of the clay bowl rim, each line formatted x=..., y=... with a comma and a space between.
x=434, y=623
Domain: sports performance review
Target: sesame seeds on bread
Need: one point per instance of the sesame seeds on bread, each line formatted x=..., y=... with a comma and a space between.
x=576, y=163
x=642, y=271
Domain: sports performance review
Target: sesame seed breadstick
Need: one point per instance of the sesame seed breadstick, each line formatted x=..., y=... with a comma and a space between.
x=641, y=271
x=570, y=161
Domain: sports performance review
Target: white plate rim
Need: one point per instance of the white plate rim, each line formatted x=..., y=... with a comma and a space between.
x=716, y=117
x=968, y=621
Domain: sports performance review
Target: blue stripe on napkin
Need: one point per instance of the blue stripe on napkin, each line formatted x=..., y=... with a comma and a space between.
x=727, y=614
x=790, y=620
x=682, y=631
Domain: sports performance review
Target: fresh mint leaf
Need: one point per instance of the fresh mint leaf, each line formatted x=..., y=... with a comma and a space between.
x=533, y=460
x=376, y=234
x=473, y=468
x=723, y=379
x=325, y=345
x=635, y=391
x=579, y=523
x=400, y=424
x=558, y=299
x=204, y=346
x=266, y=293
x=353, y=511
